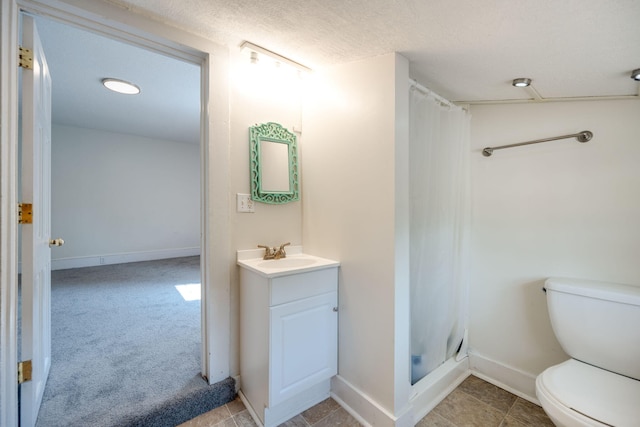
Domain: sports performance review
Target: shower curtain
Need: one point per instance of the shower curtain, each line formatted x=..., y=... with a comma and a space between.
x=439, y=216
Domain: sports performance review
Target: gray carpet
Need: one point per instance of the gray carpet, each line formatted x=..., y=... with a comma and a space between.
x=126, y=348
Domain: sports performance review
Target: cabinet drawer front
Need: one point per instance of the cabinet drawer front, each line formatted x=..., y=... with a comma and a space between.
x=297, y=286
x=304, y=344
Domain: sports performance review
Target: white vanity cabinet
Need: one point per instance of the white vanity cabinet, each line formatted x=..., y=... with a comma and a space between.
x=288, y=340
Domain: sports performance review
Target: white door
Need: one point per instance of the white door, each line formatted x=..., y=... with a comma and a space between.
x=36, y=254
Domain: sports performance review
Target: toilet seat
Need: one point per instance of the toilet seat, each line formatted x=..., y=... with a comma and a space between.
x=575, y=394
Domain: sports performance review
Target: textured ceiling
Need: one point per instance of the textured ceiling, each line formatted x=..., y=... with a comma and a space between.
x=463, y=49
x=466, y=50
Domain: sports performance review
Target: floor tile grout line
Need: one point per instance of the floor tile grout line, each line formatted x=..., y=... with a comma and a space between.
x=233, y=418
x=306, y=423
x=504, y=417
x=526, y=421
x=504, y=414
x=445, y=418
x=316, y=423
x=513, y=404
x=485, y=403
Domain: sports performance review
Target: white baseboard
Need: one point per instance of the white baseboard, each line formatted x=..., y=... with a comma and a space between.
x=247, y=405
x=516, y=381
x=122, y=258
x=430, y=391
x=425, y=395
x=359, y=405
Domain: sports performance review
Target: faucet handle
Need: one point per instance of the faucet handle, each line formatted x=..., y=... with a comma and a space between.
x=280, y=253
x=283, y=245
x=268, y=252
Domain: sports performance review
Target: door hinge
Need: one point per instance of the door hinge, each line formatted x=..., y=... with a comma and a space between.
x=24, y=371
x=25, y=213
x=25, y=58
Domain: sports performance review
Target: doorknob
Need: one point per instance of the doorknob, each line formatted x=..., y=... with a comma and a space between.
x=56, y=242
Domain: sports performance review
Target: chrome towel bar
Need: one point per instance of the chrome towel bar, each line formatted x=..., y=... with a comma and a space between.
x=583, y=136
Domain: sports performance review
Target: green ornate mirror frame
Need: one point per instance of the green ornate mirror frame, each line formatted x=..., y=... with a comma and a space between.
x=274, y=164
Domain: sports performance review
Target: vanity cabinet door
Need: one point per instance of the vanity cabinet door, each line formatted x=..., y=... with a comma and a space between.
x=304, y=345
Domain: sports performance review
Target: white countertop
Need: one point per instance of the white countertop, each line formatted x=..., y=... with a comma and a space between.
x=295, y=262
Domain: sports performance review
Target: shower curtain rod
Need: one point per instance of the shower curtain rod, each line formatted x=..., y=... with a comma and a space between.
x=583, y=136
x=425, y=90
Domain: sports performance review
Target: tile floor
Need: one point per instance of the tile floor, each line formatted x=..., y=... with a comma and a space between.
x=475, y=403
x=325, y=414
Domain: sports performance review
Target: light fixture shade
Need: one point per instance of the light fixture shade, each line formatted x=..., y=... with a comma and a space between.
x=521, y=82
x=277, y=58
x=121, y=86
x=635, y=74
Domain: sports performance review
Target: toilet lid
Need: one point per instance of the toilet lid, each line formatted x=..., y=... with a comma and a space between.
x=609, y=398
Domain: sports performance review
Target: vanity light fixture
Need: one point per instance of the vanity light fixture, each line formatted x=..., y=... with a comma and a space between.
x=521, y=82
x=635, y=74
x=256, y=51
x=121, y=86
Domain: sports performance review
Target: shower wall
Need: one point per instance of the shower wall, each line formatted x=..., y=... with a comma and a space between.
x=560, y=208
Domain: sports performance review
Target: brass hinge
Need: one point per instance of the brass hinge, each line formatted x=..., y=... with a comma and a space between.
x=25, y=213
x=25, y=58
x=24, y=371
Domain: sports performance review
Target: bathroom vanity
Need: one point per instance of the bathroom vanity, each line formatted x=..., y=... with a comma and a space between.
x=288, y=333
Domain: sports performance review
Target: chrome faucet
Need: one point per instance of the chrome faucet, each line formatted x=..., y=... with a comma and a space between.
x=274, y=253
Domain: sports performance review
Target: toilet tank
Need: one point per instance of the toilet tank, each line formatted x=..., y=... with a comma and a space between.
x=597, y=322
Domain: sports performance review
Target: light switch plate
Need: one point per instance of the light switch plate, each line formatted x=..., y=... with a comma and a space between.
x=244, y=203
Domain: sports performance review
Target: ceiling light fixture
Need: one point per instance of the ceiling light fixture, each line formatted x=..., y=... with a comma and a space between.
x=635, y=74
x=522, y=82
x=121, y=86
x=258, y=50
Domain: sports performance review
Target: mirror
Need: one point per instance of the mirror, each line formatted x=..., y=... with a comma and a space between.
x=274, y=164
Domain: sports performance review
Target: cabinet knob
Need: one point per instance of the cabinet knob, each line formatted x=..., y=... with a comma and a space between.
x=335, y=309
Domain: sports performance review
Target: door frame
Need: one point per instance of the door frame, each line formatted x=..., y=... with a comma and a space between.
x=121, y=24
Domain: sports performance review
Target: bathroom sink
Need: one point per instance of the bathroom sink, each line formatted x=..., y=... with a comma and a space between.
x=287, y=262
x=294, y=263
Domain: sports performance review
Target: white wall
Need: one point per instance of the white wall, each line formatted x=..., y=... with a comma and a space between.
x=349, y=215
x=560, y=208
x=119, y=198
x=258, y=94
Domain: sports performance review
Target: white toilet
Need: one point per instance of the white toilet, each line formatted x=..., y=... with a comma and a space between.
x=598, y=325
